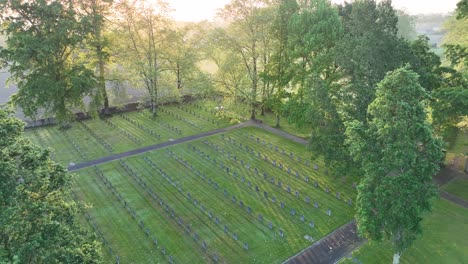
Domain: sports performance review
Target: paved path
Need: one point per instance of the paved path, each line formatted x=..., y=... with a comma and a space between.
x=182, y=140
x=331, y=248
x=154, y=147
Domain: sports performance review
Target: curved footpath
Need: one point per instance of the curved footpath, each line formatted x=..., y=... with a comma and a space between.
x=330, y=249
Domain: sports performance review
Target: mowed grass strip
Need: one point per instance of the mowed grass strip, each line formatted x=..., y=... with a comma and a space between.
x=443, y=241
x=183, y=249
x=117, y=226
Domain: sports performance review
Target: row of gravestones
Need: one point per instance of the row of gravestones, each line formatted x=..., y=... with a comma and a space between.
x=132, y=213
x=42, y=142
x=75, y=145
x=183, y=119
x=257, y=189
x=97, y=137
x=188, y=230
x=196, y=114
x=291, y=155
x=280, y=183
x=199, y=205
x=179, y=220
x=248, y=209
x=125, y=132
x=140, y=126
x=281, y=167
x=171, y=127
x=97, y=230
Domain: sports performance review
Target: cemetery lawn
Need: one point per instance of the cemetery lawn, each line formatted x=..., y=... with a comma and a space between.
x=97, y=138
x=200, y=200
x=458, y=187
x=443, y=240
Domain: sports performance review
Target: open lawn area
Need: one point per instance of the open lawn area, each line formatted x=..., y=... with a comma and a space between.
x=443, y=241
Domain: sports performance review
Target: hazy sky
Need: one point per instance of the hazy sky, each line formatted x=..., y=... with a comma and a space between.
x=197, y=10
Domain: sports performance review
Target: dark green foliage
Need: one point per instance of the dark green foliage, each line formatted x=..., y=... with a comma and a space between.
x=399, y=155
x=41, y=38
x=369, y=49
x=37, y=222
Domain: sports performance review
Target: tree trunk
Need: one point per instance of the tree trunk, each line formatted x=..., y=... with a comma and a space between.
x=277, y=120
x=102, y=86
x=396, y=258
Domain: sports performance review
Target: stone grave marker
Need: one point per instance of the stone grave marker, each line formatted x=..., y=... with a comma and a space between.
x=265, y=194
x=329, y=212
x=260, y=218
x=281, y=204
x=293, y=212
x=316, y=205
x=312, y=224
x=307, y=199
x=297, y=194
x=270, y=225
x=302, y=218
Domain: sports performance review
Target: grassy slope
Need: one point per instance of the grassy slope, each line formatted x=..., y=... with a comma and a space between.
x=444, y=240
x=265, y=245
x=458, y=187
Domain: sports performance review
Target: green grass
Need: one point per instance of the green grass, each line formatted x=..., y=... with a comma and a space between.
x=78, y=144
x=270, y=119
x=265, y=245
x=444, y=240
x=458, y=187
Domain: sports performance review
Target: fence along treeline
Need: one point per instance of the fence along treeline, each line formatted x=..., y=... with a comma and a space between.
x=316, y=63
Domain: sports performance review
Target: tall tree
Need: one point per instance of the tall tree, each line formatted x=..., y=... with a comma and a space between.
x=369, y=49
x=314, y=33
x=144, y=26
x=244, y=37
x=41, y=38
x=96, y=12
x=399, y=155
x=406, y=25
x=279, y=72
x=38, y=223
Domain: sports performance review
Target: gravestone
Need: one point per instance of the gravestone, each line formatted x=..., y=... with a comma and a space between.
x=297, y=174
x=350, y=201
x=249, y=210
x=281, y=204
x=327, y=190
x=234, y=199
x=270, y=225
x=329, y=212
x=288, y=189
x=297, y=194
x=210, y=214
x=256, y=188
x=280, y=184
x=281, y=166
x=354, y=185
x=260, y=218
x=312, y=224
x=246, y=246
x=234, y=235
x=273, y=199
x=204, y=245
x=316, y=167
x=256, y=171
x=272, y=180
x=217, y=220
x=265, y=194
x=293, y=212
x=281, y=233
x=302, y=218
x=289, y=170
x=307, y=179
x=241, y=204
x=195, y=236
x=316, y=184
x=265, y=176
x=338, y=195
x=243, y=179
x=316, y=205
x=226, y=230
x=225, y=192
x=203, y=208
x=250, y=184
x=307, y=199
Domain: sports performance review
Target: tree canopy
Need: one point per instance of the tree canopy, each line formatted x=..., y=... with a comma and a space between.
x=38, y=222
